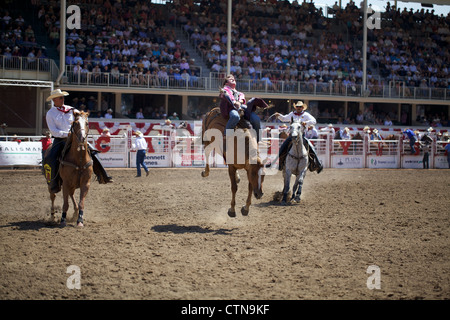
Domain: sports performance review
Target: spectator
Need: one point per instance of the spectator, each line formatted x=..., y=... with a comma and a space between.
x=140, y=114
x=109, y=114
x=345, y=134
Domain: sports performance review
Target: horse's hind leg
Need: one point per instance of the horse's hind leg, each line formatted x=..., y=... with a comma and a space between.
x=205, y=172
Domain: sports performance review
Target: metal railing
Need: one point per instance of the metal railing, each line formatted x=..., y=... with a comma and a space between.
x=152, y=80
x=27, y=68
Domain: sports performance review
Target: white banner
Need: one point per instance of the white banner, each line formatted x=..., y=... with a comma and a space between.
x=152, y=160
x=114, y=159
x=440, y=162
x=347, y=162
x=382, y=162
x=412, y=162
x=13, y=153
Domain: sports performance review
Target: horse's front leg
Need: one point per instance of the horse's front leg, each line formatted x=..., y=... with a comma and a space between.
x=52, y=208
x=75, y=208
x=65, y=206
x=287, y=182
x=245, y=209
x=83, y=194
x=234, y=187
x=299, y=183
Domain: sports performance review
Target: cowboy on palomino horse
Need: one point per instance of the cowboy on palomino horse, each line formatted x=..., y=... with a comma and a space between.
x=307, y=119
x=59, y=119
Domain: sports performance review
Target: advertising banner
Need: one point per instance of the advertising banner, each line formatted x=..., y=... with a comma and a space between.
x=440, y=162
x=152, y=160
x=382, y=162
x=347, y=161
x=412, y=162
x=14, y=153
x=114, y=159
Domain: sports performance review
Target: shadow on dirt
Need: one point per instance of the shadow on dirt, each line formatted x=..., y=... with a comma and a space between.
x=174, y=228
x=30, y=225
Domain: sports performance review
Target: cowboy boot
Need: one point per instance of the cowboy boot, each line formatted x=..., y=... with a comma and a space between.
x=100, y=172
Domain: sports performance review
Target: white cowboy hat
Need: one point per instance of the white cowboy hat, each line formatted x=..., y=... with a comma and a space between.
x=56, y=93
x=138, y=133
x=301, y=104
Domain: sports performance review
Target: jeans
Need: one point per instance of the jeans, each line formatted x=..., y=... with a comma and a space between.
x=425, y=161
x=412, y=141
x=140, y=157
x=255, y=121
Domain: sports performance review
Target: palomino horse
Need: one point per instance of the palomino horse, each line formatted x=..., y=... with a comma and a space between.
x=213, y=128
x=75, y=168
x=296, y=164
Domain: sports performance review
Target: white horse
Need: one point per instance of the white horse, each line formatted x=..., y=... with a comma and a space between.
x=296, y=163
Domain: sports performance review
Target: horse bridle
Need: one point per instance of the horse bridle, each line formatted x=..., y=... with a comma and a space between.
x=298, y=141
x=81, y=144
x=81, y=147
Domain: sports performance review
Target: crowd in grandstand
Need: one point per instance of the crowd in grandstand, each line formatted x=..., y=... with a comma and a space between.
x=280, y=42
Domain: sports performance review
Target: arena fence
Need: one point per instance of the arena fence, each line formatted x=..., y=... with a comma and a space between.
x=177, y=148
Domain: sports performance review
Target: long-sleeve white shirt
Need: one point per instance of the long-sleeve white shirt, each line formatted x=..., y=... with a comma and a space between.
x=303, y=117
x=140, y=144
x=59, y=122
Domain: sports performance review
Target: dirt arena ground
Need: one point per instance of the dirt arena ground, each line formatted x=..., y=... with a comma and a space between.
x=168, y=236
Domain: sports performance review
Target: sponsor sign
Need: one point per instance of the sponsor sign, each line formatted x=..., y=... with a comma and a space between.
x=382, y=162
x=20, y=153
x=152, y=160
x=440, y=162
x=347, y=162
x=114, y=159
x=412, y=162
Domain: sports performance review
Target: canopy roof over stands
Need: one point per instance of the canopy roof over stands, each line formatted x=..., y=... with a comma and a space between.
x=439, y=2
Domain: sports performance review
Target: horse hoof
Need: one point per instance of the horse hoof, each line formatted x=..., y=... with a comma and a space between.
x=283, y=203
x=244, y=211
x=80, y=224
x=63, y=223
x=231, y=213
x=204, y=174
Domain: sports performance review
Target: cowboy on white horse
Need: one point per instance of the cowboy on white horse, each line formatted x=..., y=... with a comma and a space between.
x=307, y=120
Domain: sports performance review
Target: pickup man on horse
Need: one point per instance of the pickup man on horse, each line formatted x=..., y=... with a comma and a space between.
x=59, y=119
x=307, y=120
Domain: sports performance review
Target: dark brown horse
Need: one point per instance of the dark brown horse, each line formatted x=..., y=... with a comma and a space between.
x=75, y=168
x=213, y=129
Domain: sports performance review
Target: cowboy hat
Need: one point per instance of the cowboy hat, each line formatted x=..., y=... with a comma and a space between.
x=56, y=93
x=301, y=104
x=138, y=133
